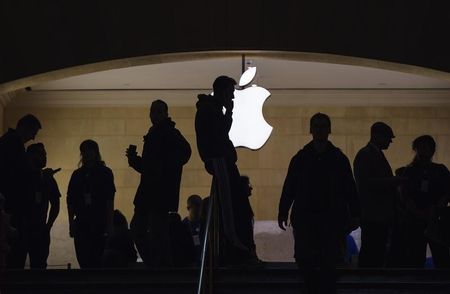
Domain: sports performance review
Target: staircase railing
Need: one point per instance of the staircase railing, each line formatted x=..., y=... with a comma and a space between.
x=211, y=208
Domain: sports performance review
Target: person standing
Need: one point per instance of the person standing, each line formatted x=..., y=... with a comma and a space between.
x=320, y=191
x=192, y=222
x=426, y=192
x=15, y=182
x=377, y=188
x=44, y=194
x=213, y=121
x=161, y=165
x=90, y=205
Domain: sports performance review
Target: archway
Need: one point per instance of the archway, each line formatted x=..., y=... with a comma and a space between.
x=74, y=115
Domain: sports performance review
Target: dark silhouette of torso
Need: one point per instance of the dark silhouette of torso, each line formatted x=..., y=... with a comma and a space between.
x=15, y=174
x=89, y=190
x=164, y=154
x=320, y=183
x=212, y=127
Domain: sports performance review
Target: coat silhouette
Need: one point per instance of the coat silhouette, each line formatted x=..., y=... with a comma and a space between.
x=161, y=165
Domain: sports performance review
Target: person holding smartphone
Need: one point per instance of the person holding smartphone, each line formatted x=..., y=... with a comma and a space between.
x=44, y=195
x=160, y=166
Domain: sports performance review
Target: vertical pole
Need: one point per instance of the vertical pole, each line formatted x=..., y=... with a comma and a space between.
x=216, y=229
x=212, y=243
x=207, y=243
x=243, y=64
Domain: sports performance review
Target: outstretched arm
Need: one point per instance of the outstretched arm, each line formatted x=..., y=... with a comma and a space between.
x=288, y=194
x=54, y=203
x=70, y=209
x=352, y=196
x=54, y=211
x=71, y=216
x=351, y=191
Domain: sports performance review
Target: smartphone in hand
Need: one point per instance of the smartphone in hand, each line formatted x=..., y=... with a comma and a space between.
x=131, y=151
x=132, y=148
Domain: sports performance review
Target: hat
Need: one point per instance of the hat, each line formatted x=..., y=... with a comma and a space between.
x=381, y=128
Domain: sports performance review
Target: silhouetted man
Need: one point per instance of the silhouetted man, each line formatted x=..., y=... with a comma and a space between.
x=320, y=189
x=164, y=154
x=212, y=126
x=15, y=179
x=44, y=192
x=192, y=221
x=377, y=190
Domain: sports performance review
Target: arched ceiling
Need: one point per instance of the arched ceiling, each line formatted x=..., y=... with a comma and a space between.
x=271, y=73
x=291, y=81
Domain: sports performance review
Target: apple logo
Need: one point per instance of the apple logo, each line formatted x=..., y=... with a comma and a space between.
x=249, y=128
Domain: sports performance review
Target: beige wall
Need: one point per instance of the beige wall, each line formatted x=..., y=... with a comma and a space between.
x=114, y=128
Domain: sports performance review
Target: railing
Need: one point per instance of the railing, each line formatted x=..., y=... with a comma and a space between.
x=212, y=206
x=219, y=196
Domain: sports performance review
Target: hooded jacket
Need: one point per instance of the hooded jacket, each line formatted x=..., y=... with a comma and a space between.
x=164, y=154
x=320, y=183
x=212, y=127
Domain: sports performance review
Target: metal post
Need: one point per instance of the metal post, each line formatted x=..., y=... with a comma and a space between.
x=208, y=229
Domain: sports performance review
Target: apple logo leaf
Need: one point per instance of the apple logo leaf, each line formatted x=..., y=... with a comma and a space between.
x=247, y=77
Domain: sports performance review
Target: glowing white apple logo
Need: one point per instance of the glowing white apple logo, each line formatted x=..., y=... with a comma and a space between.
x=249, y=128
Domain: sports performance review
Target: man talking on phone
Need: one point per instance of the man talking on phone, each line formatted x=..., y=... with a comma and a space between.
x=164, y=154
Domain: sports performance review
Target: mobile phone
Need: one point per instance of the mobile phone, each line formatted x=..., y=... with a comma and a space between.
x=132, y=148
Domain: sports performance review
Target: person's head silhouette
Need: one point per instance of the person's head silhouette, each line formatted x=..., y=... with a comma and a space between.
x=425, y=147
x=38, y=155
x=381, y=135
x=320, y=127
x=194, y=205
x=159, y=111
x=246, y=186
x=27, y=127
x=223, y=88
x=90, y=153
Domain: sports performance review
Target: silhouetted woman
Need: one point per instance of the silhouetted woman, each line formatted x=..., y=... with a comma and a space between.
x=90, y=204
x=425, y=193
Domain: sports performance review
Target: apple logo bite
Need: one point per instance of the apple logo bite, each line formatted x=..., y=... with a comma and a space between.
x=249, y=128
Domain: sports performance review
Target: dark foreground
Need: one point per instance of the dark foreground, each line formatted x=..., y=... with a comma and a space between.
x=277, y=278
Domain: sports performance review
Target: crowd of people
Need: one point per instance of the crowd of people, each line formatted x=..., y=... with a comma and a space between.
x=324, y=198
x=395, y=213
